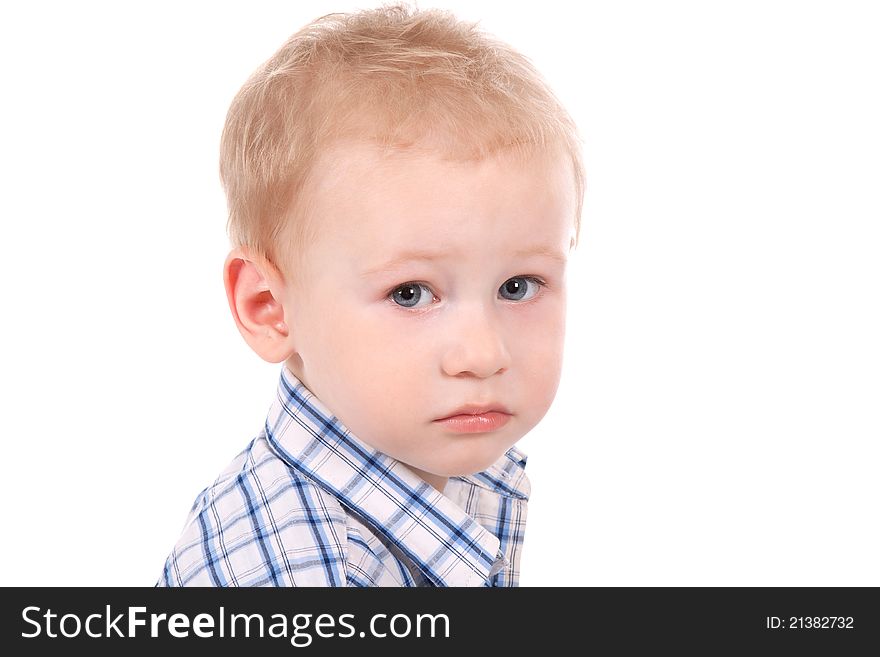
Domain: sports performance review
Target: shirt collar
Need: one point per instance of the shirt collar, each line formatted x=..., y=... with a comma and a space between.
x=447, y=545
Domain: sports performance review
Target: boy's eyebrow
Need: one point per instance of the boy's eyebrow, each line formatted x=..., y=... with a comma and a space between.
x=543, y=251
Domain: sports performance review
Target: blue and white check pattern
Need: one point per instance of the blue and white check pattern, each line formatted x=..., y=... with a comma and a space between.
x=309, y=504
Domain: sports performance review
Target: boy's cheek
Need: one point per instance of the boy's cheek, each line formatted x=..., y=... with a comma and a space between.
x=542, y=330
x=373, y=355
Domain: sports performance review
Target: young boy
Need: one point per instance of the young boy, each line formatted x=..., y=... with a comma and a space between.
x=404, y=192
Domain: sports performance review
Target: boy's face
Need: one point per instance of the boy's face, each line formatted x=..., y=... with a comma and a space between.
x=421, y=296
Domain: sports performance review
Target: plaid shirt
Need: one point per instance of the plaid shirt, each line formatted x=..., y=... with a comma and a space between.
x=309, y=504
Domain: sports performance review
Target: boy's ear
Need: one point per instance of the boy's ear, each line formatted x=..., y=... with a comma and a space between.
x=255, y=291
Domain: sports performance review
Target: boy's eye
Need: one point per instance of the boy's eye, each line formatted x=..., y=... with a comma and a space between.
x=409, y=295
x=417, y=295
x=520, y=288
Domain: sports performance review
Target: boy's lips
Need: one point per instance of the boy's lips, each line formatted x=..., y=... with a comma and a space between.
x=475, y=419
x=476, y=409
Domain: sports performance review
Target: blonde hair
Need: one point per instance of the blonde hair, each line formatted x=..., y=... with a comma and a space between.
x=397, y=76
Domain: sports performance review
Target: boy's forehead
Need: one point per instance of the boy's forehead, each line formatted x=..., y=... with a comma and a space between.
x=364, y=171
x=383, y=208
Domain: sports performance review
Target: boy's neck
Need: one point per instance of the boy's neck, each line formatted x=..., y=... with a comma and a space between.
x=434, y=480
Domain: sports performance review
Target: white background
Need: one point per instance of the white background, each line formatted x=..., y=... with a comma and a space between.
x=719, y=414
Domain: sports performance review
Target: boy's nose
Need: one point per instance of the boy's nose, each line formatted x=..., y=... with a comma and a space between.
x=475, y=346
